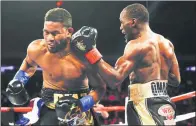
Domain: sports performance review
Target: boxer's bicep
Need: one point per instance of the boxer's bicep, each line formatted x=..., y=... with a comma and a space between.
x=126, y=63
x=28, y=65
x=124, y=67
x=116, y=75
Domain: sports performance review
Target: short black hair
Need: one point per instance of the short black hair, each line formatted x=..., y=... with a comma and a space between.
x=59, y=15
x=137, y=11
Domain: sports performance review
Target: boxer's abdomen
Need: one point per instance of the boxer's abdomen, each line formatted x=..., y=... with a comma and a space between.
x=63, y=73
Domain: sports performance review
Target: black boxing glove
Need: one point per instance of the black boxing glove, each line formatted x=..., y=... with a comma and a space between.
x=84, y=41
x=16, y=93
x=68, y=112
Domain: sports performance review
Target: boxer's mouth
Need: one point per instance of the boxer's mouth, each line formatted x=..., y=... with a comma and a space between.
x=123, y=32
x=51, y=45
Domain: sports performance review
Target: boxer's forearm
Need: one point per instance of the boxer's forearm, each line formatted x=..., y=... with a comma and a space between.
x=99, y=89
x=28, y=68
x=174, y=77
x=108, y=73
x=88, y=101
x=174, y=73
x=25, y=72
x=98, y=85
x=97, y=94
x=173, y=80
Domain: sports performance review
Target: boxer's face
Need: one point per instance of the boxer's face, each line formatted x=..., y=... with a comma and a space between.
x=55, y=35
x=126, y=26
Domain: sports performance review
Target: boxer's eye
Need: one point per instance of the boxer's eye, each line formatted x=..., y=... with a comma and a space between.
x=55, y=33
x=46, y=32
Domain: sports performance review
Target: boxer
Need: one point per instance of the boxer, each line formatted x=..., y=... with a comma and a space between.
x=148, y=59
x=63, y=73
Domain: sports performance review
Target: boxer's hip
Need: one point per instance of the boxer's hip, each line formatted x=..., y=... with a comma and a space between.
x=51, y=96
x=151, y=111
x=151, y=103
x=155, y=88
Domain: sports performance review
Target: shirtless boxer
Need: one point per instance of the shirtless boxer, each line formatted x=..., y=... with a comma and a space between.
x=148, y=59
x=63, y=74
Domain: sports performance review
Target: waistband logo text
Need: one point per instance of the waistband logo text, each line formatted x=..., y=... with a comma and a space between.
x=159, y=88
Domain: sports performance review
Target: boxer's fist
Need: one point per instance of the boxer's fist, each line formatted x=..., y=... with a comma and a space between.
x=16, y=93
x=84, y=41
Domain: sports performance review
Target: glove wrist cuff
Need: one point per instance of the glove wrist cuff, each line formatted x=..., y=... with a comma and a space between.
x=86, y=103
x=22, y=76
x=93, y=56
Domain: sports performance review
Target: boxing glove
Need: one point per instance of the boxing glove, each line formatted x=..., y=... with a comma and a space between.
x=68, y=112
x=84, y=41
x=68, y=106
x=16, y=93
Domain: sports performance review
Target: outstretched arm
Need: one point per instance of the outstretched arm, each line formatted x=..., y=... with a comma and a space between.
x=115, y=75
x=84, y=41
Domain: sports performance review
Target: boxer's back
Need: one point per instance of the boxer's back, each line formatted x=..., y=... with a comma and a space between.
x=153, y=60
x=60, y=72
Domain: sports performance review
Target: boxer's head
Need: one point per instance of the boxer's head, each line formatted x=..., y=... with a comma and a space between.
x=57, y=29
x=132, y=17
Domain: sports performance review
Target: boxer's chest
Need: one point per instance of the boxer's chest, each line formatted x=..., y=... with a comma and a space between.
x=58, y=69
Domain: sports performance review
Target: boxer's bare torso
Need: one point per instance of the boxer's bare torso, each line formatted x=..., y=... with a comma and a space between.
x=61, y=72
x=154, y=60
x=146, y=58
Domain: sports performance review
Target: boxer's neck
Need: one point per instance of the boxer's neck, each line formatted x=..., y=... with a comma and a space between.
x=145, y=30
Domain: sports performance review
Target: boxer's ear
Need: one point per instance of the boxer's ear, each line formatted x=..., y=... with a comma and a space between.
x=70, y=32
x=133, y=22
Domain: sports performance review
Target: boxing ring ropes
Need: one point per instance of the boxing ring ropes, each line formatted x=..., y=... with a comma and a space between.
x=120, y=108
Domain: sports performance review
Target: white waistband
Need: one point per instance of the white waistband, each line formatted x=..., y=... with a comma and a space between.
x=155, y=88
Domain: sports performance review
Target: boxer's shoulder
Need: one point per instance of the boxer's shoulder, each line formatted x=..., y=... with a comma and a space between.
x=164, y=42
x=131, y=46
x=166, y=47
x=132, y=50
x=36, y=47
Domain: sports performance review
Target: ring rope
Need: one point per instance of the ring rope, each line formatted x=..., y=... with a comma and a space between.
x=184, y=116
x=108, y=109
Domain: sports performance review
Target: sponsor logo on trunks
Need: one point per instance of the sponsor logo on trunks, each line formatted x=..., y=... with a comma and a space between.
x=167, y=111
x=159, y=88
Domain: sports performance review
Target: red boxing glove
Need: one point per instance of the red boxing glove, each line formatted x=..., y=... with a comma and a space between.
x=93, y=56
x=84, y=42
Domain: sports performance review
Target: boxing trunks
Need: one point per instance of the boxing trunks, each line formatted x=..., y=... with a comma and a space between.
x=50, y=97
x=149, y=104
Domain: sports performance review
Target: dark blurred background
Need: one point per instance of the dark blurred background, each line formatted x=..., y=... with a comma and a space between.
x=22, y=22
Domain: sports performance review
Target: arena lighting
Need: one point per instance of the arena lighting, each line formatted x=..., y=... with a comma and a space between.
x=10, y=68
x=4, y=68
x=191, y=68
